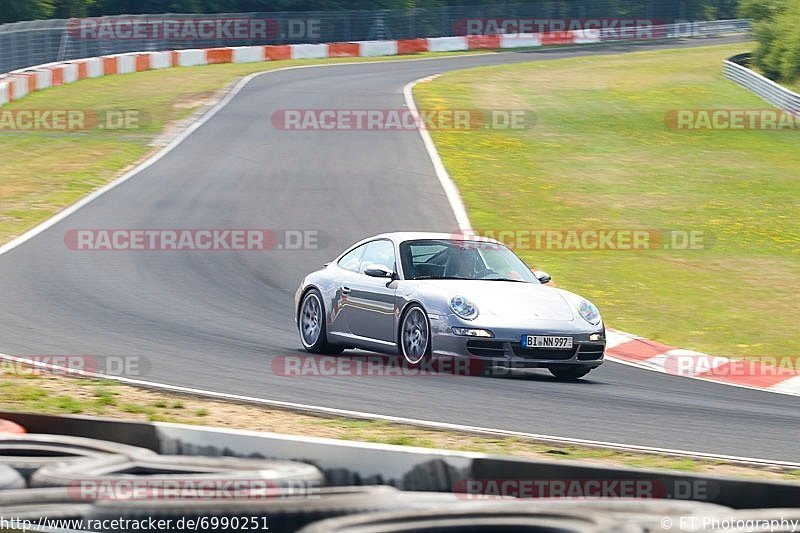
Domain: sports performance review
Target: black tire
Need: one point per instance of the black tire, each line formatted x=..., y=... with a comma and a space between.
x=569, y=373
x=410, y=335
x=318, y=342
x=28, y=452
x=10, y=479
x=184, y=469
x=546, y=514
x=472, y=517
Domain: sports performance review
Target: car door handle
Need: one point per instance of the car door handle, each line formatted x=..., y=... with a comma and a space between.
x=346, y=290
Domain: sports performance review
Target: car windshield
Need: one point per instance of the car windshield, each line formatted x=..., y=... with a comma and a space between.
x=462, y=259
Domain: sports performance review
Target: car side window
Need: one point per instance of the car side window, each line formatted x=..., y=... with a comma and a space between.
x=352, y=260
x=379, y=254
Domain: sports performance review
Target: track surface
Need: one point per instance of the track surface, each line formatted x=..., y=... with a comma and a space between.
x=216, y=320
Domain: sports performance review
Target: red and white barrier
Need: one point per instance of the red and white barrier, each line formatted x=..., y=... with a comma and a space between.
x=189, y=58
x=5, y=92
x=91, y=68
x=160, y=60
x=248, y=54
x=447, y=44
x=44, y=78
x=377, y=48
x=309, y=51
x=19, y=83
x=19, y=86
x=586, y=36
x=520, y=40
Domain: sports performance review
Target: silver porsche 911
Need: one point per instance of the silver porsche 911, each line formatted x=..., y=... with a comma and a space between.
x=428, y=295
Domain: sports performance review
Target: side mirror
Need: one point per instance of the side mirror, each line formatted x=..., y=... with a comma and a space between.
x=378, y=272
x=543, y=277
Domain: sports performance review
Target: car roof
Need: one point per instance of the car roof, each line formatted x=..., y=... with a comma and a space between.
x=401, y=236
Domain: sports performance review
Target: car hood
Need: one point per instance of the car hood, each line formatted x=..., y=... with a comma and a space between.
x=507, y=299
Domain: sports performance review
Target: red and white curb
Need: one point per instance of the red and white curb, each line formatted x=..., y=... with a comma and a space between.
x=643, y=353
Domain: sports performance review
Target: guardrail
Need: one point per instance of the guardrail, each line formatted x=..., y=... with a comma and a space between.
x=19, y=83
x=735, y=70
x=23, y=44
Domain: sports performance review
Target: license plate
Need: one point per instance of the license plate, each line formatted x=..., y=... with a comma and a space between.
x=539, y=341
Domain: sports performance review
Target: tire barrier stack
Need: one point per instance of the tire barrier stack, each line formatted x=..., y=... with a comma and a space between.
x=109, y=486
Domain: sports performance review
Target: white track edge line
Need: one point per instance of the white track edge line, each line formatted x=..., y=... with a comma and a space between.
x=332, y=411
x=449, y=186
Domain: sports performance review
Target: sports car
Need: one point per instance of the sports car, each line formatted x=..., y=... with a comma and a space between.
x=428, y=295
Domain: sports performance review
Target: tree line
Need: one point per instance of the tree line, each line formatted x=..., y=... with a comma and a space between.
x=776, y=25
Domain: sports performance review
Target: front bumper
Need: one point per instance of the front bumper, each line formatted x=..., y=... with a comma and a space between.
x=506, y=350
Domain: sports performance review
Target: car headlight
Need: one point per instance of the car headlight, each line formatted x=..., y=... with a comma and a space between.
x=463, y=308
x=589, y=312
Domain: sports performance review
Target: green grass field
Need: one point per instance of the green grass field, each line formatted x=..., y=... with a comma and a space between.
x=600, y=156
x=41, y=172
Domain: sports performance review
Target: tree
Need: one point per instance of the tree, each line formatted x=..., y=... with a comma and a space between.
x=776, y=25
x=15, y=10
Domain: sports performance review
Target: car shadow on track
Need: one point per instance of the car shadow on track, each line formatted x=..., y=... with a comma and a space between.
x=358, y=363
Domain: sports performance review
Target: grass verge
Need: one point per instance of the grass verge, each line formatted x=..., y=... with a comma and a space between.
x=601, y=156
x=43, y=392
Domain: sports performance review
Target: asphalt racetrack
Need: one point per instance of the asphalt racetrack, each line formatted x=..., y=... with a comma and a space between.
x=217, y=320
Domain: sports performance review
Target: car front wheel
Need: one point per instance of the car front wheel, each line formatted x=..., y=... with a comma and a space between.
x=415, y=335
x=311, y=323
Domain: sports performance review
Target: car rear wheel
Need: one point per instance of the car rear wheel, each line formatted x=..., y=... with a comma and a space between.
x=569, y=372
x=415, y=335
x=311, y=323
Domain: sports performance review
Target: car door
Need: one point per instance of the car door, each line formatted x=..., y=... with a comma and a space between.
x=372, y=304
x=348, y=271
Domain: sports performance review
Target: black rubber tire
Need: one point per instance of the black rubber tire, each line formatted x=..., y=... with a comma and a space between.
x=569, y=373
x=321, y=346
x=400, y=348
x=160, y=468
x=10, y=479
x=472, y=518
x=27, y=453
